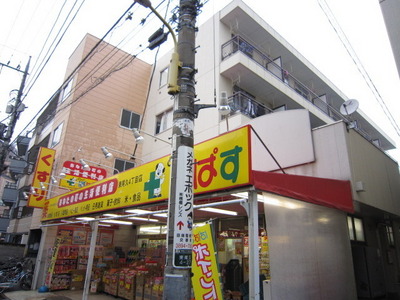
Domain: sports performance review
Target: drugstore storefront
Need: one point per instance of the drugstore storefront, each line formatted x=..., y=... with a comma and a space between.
x=290, y=230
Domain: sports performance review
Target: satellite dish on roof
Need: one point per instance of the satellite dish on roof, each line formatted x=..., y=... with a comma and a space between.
x=349, y=107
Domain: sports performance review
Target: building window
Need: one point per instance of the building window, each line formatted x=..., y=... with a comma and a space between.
x=6, y=213
x=356, y=229
x=130, y=119
x=57, y=135
x=66, y=91
x=164, y=121
x=163, y=77
x=122, y=165
x=389, y=235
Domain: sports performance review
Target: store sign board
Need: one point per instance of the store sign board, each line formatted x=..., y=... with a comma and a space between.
x=220, y=163
x=223, y=162
x=182, y=247
x=205, y=279
x=76, y=177
x=144, y=184
x=42, y=173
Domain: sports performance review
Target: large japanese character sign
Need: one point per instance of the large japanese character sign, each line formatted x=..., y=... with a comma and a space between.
x=42, y=174
x=205, y=280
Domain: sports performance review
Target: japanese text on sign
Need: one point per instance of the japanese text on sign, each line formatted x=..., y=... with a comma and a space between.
x=205, y=278
x=41, y=176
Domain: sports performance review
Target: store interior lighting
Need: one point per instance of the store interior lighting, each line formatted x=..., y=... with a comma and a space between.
x=142, y=211
x=117, y=222
x=139, y=138
x=133, y=218
x=219, y=211
x=85, y=218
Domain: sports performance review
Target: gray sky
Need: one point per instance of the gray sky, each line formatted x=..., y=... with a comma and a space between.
x=26, y=23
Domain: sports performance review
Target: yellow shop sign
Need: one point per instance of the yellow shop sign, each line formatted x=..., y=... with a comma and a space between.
x=219, y=163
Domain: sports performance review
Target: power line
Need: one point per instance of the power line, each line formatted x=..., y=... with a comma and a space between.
x=57, y=44
x=47, y=38
x=339, y=32
x=76, y=68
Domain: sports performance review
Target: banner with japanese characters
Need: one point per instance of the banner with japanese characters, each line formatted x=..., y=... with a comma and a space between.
x=41, y=176
x=205, y=279
x=76, y=177
x=219, y=163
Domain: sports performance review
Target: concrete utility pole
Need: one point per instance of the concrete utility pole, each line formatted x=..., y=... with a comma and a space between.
x=18, y=108
x=177, y=276
x=181, y=84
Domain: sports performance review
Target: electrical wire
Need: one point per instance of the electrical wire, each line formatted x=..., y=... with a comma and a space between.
x=47, y=39
x=75, y=70
x=108, y=73
x=57, y=44
x=346, y=43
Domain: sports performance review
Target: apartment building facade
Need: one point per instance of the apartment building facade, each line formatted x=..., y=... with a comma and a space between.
x=102, y=100
x=268, y=84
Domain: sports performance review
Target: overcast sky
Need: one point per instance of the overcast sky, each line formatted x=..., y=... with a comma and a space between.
x=25, y=25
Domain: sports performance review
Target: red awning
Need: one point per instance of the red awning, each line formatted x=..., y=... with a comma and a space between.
x=327, y=192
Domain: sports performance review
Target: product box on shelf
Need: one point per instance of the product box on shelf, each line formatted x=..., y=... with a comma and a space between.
x=147, y=289
x=60, y=282
x=157, y=288
x=77, y=279
x=140, y=281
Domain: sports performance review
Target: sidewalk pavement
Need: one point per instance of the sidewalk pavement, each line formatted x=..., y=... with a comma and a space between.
x=57, y=295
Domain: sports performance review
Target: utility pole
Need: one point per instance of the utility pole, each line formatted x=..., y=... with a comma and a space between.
x=18, y=108
x=181, y=84
x=177, y=275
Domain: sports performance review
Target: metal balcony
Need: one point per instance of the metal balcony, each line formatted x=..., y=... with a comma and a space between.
x=247, y=105
x=272, y=86
x=10, y=194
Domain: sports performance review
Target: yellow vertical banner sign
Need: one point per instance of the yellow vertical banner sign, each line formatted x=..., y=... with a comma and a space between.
x=44, y=166
x=52, y=261
x=205, y=279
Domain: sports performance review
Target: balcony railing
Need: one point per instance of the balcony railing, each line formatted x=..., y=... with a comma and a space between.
x=237, y=44
x=10, y=194
x=247, y=105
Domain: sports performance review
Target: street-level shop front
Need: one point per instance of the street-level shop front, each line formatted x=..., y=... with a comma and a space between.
x=275, y=235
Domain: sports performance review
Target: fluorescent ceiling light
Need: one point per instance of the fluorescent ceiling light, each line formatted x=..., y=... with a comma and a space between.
x=219, y=211
x=112, y=215
x=245, y=195
x=85, y=219
x=143, y=219
x=117, y=222
x=105, y=225
x=138, y=211
x=162, y=215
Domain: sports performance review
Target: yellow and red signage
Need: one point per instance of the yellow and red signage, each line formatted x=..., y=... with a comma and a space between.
x=76, y=177
x=205, y=279
x=42, y=173
x=220, y=163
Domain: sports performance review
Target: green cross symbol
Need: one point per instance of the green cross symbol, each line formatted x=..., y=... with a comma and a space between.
x=152, y=184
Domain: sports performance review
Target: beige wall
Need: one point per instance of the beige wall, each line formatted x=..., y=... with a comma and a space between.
x=91, y=115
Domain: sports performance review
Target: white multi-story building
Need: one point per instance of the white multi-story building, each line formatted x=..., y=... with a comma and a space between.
x=302, y=119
